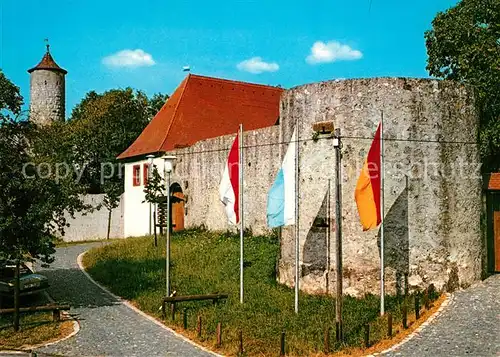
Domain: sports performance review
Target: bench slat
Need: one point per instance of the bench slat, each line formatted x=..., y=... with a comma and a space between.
x=195, y=297
x=35, y=308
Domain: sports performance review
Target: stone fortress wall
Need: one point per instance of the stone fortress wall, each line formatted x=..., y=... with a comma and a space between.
x=432, y=187
x=432, y=184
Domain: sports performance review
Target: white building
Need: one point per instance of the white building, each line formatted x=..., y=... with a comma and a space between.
x=200, y=108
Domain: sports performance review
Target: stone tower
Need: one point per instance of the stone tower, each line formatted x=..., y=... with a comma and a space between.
x=47, y=91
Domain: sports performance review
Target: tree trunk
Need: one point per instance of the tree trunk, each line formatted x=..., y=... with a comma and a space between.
x=16, y=297
x=109, y=223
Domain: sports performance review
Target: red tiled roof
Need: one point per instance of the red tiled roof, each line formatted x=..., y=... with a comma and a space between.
x=494, y=183
x=204, y=107
x=48, y=62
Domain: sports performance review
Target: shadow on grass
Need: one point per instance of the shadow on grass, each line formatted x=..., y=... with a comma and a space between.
x=129, y=278
x=71, y=286
x=6, y=322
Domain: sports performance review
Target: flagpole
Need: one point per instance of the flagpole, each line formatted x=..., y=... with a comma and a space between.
x=382, y=179
x=242, y=226
x=297, y=241
x=338, y=234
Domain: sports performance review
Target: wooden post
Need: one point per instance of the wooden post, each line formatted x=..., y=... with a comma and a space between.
x=389, y=325
x=154, y=228
x=240, y=349
x=198, y=326
x=367, y=335
x=219, y=334
x=164, y=310
x=16, y=297
x=431, y=291
x=405, y=316
x=327, y=340
x=427, y=301
x=172, y=311
x=417, y=306
x=56, y=315
x=282, y=344
x=184, y=319
x=406, y=285
x=109, y=223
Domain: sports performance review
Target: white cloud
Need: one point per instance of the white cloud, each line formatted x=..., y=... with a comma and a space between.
x=332, y=51
x=129, y=58
x=257, y=65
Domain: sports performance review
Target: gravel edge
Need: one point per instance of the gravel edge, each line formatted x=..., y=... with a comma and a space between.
x=418, y=330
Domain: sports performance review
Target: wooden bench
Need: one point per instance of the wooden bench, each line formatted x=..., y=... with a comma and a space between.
x=173, y=300
x=56, y=310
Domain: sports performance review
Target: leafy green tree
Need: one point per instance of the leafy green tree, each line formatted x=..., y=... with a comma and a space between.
x=32, y=201
x=156, y=102
x=101, y=127
x=10, y=99
x=155, y=189
x=464, y=45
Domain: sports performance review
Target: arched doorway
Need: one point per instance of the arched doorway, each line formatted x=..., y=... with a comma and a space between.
x=177, y=201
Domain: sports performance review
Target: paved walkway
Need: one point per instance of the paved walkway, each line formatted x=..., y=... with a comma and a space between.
x=108, y=328
x=468, y=326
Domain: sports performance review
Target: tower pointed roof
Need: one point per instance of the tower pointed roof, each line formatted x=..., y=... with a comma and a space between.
x=48, y=63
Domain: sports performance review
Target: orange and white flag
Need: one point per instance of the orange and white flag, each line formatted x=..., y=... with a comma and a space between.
x=367, y=193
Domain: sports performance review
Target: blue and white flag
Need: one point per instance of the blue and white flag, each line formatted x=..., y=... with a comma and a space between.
x=281, y=197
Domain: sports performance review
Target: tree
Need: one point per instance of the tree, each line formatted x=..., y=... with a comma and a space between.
x=32, y=201
x=101, y=127
x=464, y=45
x=155, y=192
x=156, y=102
x=10, y=99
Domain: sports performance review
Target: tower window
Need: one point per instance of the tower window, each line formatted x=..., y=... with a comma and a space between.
x=45, y=82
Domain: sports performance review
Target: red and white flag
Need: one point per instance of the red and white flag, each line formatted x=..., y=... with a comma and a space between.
x=229, y=189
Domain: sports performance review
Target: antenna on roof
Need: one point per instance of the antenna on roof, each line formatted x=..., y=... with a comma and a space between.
x=186, y=69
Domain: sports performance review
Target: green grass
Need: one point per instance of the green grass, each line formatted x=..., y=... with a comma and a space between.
x=60, y=243
x=205, y=262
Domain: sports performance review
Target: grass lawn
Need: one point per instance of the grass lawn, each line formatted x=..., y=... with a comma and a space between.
x=36, y=328
x=61, y=243
x=205, y=262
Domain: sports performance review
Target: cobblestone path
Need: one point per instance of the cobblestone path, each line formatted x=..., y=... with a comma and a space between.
x=468, y=326
x=108, y=328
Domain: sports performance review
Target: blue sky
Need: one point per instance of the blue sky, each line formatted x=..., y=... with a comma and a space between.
x=144, y=44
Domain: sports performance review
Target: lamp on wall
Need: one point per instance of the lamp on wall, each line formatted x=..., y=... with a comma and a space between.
x=169, y=165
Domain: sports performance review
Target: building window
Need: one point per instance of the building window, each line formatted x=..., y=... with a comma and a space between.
x=136, y=175
x=145, y=173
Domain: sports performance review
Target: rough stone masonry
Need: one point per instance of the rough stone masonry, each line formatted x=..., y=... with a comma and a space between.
x=432, y=183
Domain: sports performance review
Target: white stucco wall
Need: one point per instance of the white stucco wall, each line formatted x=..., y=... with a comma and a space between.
x=136, y=212
x=94, y=224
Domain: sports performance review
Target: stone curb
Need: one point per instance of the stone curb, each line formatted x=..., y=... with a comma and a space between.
x=444, y=304
x=28, y=348
x=140, y=312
